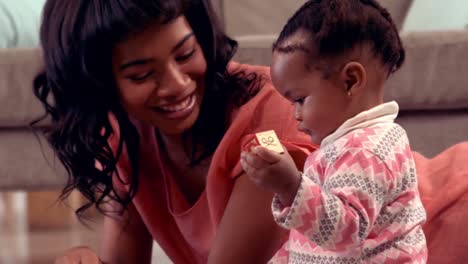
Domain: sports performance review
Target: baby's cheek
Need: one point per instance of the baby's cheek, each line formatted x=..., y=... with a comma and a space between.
x=311, y=122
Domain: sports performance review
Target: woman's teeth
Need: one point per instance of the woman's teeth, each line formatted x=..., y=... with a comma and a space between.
x=179, y=106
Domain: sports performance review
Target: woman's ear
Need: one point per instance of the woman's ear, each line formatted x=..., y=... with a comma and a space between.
x=353, y=78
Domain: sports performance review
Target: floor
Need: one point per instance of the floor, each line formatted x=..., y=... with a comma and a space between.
x=21, y=245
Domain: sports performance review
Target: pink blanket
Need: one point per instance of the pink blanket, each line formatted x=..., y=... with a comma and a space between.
x=443, y=183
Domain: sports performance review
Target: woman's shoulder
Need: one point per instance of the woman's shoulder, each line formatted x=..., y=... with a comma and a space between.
x=267, y=110
x=263, y=70
x=267, y=102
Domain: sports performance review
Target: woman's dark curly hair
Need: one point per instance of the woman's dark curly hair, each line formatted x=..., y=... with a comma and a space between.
x=78, y=90
x=335, y=27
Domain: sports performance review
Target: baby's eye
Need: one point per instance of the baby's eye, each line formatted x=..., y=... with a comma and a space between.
x=299, y=100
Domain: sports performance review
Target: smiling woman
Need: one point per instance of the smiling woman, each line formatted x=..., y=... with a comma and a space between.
x=149, y=118
x=160, y=75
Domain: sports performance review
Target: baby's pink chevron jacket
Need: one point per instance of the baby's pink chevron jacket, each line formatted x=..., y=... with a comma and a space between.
x=358, y=201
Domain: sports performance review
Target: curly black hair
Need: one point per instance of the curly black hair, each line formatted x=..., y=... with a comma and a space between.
x=78, y=90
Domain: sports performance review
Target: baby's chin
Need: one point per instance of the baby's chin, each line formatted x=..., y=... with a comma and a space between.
x=316, y=139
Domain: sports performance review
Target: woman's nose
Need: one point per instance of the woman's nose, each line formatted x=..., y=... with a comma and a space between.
x=173, y=82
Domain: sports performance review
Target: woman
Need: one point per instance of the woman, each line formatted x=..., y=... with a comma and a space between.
x=149, y=118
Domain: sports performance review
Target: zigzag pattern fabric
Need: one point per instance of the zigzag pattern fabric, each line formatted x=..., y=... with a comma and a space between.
x=358, y=201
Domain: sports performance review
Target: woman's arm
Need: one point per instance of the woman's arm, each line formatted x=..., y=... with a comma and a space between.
x=122, y=241
x=247, y=232
x=125, y=239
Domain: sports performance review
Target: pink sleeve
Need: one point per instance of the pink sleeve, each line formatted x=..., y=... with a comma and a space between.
x=341, y=212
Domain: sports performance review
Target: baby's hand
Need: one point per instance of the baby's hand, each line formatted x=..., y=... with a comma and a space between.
x=272, y=171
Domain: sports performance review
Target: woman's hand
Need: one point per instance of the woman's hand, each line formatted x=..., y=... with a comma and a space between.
x=272, y=171
x=79, y=255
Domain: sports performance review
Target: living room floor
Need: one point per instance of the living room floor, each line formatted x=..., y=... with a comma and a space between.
x=20, y=244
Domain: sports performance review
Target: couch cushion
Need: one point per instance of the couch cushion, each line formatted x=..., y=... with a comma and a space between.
x=18, y=106
x=257, y=17
x=255, y=49
x=28, y=162
x=432, y=78
x=434, y=75
x=431, y=132
x=264, y=17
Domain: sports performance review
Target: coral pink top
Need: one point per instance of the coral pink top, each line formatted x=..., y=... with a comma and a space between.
x=185, y=231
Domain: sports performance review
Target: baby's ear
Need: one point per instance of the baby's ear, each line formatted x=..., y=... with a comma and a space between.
x=354, y=78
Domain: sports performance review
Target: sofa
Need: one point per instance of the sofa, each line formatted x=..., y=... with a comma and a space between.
x=430, y=89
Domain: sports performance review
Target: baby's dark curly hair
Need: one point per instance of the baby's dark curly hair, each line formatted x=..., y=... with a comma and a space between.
x=335, y=27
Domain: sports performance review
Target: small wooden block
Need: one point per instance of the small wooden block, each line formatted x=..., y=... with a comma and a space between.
x=252, y=143
x=269, y=140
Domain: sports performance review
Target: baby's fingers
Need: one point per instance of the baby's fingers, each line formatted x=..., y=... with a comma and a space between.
x=253, y=160
x=246, y=167
x=267, y=155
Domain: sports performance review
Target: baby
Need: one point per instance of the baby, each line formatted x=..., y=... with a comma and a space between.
x=357, y=199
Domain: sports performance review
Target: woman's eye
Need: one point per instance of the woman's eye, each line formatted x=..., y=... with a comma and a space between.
x=141, y=77
x=185, y=57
